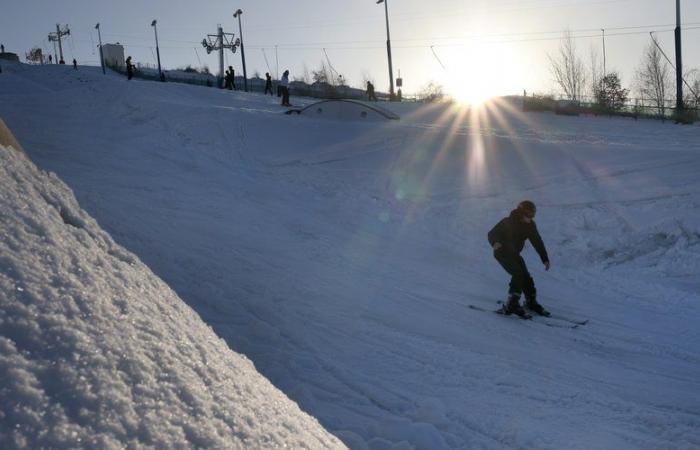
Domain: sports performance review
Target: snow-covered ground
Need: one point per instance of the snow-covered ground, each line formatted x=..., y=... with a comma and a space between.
x=341, y=258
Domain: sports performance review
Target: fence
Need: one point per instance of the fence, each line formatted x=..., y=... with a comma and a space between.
x=635, y=108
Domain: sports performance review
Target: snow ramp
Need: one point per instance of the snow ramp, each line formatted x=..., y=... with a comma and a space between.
x=7, y=138
x=98, y=352
x=346, y=110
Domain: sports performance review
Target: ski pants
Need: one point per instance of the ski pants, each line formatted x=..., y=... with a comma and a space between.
x=285, y=95
x=521, y=281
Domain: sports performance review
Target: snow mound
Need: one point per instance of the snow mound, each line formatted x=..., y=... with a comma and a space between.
x=347, y=110
x=97, y=352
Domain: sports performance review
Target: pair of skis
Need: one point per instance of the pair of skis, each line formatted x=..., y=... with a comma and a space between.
x=553, y=320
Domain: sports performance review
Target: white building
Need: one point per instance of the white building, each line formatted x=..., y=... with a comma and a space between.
x=113, y=55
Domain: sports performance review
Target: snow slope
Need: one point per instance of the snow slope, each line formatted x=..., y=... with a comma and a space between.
x=341, y=257
x=97, y=352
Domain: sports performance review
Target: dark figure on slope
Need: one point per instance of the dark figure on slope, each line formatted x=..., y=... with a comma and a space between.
x=508, y=239
x=75, y=64
x=129, y=69
x=370, y=92
x=268, y=84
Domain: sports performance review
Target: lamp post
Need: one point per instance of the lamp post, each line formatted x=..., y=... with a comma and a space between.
x=238, y=15
x=605, y=72
x=102, y=58
x=388, y=49
x=155, y=29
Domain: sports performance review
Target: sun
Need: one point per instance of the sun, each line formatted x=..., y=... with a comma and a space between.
x=477, y=73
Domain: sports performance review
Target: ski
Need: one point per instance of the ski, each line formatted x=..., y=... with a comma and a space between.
x=540, y=319
x=560, y=317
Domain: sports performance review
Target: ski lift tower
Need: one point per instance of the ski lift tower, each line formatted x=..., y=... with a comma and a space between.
x=220, y=41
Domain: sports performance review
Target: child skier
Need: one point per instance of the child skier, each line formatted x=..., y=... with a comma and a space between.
x=508, y=239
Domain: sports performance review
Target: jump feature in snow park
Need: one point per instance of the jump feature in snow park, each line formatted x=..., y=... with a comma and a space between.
x=185, y=266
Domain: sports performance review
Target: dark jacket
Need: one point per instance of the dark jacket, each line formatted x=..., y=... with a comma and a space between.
x=512, y=233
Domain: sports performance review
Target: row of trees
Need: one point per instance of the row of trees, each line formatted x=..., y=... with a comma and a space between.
x=653, y=84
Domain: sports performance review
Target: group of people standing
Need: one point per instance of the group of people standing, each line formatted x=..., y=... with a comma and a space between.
x=230, y=82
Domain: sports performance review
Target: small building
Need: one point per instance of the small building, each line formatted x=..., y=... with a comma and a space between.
x=114, y=55
x=7, y=56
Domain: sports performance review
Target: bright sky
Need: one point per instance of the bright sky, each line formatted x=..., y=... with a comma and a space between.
x=486, y=46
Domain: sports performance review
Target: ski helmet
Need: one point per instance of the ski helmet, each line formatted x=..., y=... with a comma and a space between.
x=527, y=207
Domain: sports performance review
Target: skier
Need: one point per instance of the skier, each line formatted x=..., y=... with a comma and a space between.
x=50, y=60
x=284, y=85
x=129, y=69
x=370, y=92
x=508, y=239
x=268, y=83
x=75, y=64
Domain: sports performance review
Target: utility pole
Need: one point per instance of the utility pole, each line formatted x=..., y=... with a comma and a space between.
x=220, y=41
x=155, y=29
x=388, y=49
x=56, y=37
x=679, y=60
x=102, y=58
x=238, y=14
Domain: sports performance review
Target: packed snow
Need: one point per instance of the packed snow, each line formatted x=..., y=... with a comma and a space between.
x=97, y=352
x=341, y=258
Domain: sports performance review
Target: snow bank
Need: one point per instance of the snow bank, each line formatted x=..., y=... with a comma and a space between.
x=97, y=352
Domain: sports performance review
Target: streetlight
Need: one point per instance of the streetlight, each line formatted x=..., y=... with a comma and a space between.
x=605, y=72
x=102, y=58
x=155, y=29
x=238, y=15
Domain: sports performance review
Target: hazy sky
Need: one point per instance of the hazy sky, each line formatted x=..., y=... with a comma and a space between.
x=499, y=45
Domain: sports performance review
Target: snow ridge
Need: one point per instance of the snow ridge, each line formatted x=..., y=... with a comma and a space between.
x=97, y=352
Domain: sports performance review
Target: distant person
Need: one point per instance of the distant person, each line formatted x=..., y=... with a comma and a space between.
x=268, y=83
x=370, y=92
x=284, y=88
x=228, y=80
x=50, y=60
x=75, y=64
x=233, y=78
x=129, y=69
x=507, y=239
x=2, y=48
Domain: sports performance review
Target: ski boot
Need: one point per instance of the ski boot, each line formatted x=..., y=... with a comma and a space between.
x=513, y=307
x=532, y=305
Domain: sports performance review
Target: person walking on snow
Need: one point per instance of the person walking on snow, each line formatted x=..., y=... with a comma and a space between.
x=370, y=92
x=129, y=69
x=268, y=83
x=284, y=84
x=507, y=239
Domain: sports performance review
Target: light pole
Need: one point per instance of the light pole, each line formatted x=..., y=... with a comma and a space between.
x=679, y=59
x=605, y=72
x=388, y=49
x=102, y=58
x=155, y=29
x=238, y=15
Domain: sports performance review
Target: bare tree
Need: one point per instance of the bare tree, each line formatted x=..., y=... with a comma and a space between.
x=596, y=71
x=653, y=78
x=568, y=69
x=692, y=96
